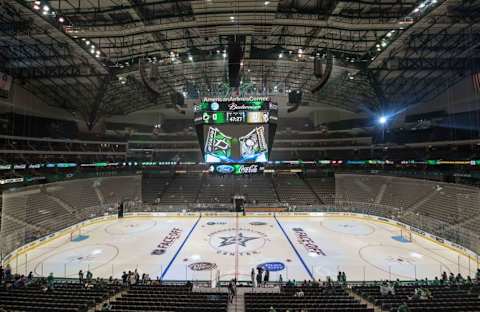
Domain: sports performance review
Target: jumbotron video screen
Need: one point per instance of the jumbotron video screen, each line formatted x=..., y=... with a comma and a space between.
x=240, y=143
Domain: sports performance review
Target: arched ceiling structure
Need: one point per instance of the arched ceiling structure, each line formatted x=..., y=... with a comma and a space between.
x=84, y=55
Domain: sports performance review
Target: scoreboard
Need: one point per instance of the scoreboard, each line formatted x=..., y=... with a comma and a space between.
x=235, y=129
x=234, y=117
x=235, y=110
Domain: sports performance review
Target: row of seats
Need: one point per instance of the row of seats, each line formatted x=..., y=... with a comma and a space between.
x=63, y=297
x=443, y=298
x=36, y=211
x=169, y=298
x=321, y=299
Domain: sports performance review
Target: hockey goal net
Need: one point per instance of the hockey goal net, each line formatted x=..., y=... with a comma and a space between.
x=76, y=234
x=406, y=235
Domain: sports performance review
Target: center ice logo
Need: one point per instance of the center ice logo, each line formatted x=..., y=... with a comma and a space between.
x=231, y=241
x=239, y=239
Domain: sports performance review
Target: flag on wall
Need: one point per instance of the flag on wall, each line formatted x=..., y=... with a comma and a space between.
x=476, y=82
x=5, y=84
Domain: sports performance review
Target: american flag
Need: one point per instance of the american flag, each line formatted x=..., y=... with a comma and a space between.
x=476, y=82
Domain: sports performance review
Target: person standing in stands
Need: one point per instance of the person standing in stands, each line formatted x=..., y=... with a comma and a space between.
x=344, y=278
x=230, y=291
x=89, y=276
x=7, y=274
x=252, y=276
x=259, y=279
x=267, y=277
x=403, y=307
x=80, y=276
x=50, y=280
x=1, y=274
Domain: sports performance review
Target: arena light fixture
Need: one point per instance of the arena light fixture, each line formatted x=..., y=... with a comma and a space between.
x=382, y=120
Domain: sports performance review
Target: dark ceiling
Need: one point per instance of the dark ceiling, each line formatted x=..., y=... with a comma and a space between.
x=84, y=55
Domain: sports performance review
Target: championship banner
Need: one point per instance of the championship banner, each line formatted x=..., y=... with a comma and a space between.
x=218, y=145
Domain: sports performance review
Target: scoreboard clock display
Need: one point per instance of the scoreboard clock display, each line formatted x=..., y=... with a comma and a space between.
x=234, y=117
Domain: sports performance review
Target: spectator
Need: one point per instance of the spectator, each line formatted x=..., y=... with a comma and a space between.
x=299, y=293
x=280, y=279
x=259, y=279
x=459, y=279
x=124, y=277
x=106, y=307
x=80, y=276
x=451, y=279
x=30, y=276
x=266, y=277
x=387, y=288
x=272, y=309
x=444, y=277
x=1, y=274
x=403, y=307
x=50, y=280
x=89, y=276
x=7, y=275
x=252, y=276
x=469, y=281
x=230, y=291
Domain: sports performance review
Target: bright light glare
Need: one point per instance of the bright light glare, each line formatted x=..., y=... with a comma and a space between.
x=382, y=120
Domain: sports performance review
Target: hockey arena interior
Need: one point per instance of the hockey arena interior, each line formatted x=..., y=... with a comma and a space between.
x=240, y=155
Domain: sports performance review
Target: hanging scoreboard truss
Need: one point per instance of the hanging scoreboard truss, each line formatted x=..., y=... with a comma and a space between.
x=236, y=130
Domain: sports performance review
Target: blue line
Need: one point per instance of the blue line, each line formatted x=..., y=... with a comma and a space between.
x=179, y=248
x=294, y=249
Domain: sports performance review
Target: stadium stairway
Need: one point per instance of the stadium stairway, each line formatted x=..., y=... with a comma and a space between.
x=307, y=183
x=114, y=296
x=362, y=300
x=238, y=304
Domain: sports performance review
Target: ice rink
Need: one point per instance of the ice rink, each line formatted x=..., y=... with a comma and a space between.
x=199, y=248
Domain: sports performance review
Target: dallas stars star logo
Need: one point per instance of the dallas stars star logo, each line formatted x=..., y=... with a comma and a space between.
x=239, y=239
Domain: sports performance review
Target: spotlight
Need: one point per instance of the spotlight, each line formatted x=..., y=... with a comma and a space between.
x=46, y=8
x=190, y=58
x=61, y=20
x=382, y=120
